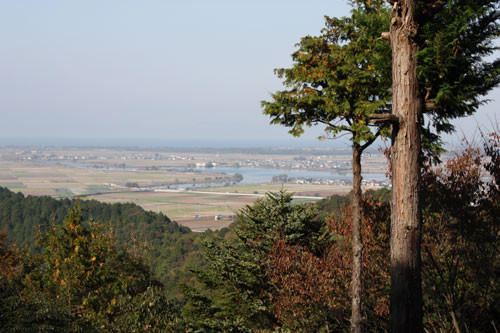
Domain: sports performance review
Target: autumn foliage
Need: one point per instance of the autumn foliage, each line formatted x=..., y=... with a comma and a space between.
x=313, y=285
x=461, y=262
x=461, y=243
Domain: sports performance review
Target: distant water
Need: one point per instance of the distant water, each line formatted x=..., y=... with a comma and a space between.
x=261, y=175
x=253, y=175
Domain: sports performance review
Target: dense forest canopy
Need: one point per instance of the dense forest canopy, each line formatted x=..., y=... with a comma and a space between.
x=169, y=245
x=20, y=216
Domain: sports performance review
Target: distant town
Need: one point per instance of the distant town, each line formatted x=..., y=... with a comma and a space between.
x=307, y=159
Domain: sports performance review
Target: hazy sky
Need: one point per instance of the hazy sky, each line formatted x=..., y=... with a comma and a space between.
x=162, y=72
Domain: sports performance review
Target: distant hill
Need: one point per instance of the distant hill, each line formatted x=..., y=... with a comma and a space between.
x=21, y=216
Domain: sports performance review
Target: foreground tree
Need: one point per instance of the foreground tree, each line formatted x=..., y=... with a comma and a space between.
x=84, y=268
x=449, y=39
x=460, y=259
x=406, y=309
x=341, y=79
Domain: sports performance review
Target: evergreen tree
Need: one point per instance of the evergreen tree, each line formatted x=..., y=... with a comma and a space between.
x=450, y=40
x=438, y=50
x=341, y=79
x=236, y=293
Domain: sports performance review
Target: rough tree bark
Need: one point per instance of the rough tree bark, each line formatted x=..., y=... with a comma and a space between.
x=357, y=244
x=406, y=293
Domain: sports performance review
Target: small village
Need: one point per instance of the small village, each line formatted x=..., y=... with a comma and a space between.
x=306, y=159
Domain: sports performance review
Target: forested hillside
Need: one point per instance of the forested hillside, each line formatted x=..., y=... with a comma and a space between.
x=170, y=247
x=20, y=217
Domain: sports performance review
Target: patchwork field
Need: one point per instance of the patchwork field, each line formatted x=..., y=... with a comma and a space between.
x=110, y=175
x=60, y=180
x=194, y=209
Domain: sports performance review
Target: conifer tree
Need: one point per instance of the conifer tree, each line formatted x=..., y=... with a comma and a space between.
x=439, y=73
x=341, y=79
x=237, y=294
x=438, y=50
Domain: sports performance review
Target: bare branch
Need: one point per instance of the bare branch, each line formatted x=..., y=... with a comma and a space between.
x=384, y=118
x=431, y=106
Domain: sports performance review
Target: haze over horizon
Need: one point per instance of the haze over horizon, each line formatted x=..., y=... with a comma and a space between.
x=157, y=73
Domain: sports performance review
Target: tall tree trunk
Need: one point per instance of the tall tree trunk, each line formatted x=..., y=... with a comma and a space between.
x=357, y=244
x=406, y=291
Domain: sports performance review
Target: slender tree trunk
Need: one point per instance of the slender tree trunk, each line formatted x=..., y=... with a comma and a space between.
x=357, y=243
x=406, y=291
x=455, y=322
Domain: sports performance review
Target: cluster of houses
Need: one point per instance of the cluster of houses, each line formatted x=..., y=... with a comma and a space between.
x=340, y=182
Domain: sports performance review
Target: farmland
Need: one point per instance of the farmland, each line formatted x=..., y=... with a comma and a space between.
x=167, y=181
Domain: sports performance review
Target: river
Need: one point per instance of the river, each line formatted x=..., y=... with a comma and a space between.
x=250, y=175
x=262, y=175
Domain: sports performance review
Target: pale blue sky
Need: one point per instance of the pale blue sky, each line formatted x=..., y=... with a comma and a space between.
x=161, y=72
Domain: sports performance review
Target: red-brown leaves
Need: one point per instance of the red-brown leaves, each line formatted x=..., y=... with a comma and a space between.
x=314, y=286
x=461, y=240
x=9, y=259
